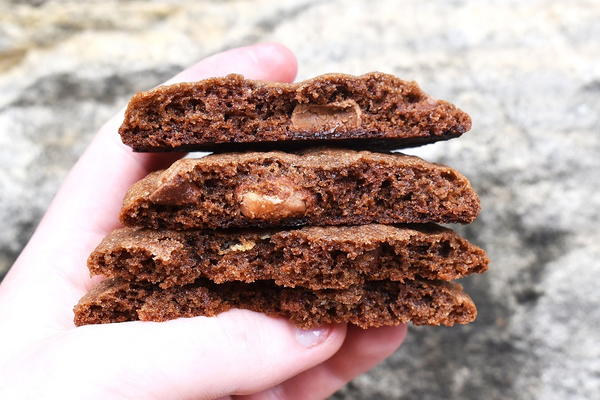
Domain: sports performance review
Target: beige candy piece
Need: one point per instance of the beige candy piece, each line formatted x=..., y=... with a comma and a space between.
x=243, y=245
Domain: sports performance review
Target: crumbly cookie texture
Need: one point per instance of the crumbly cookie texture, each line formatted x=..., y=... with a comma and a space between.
x=322, y=224
x=313, y=257
x=374, y=304
x=372, y=110
x=314, y=187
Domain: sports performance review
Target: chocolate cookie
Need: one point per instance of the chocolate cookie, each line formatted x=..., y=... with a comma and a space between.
x=313, y=257
x=318, y=187
x=373, y=304
x=374, y=110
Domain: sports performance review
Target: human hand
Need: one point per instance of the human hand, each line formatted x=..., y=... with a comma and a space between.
x=239, y=353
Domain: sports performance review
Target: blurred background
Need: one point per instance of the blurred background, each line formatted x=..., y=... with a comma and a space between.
x=528, y=72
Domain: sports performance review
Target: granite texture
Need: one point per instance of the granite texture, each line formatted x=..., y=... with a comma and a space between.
x=527, y=72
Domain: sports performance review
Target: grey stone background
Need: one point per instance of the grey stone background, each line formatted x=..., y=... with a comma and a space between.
x=527, y=71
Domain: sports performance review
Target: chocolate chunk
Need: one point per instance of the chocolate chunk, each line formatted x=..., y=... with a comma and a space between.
x=374, y=110
x=317, y=187
x=373, y=304
x=317, y=118
x=313, y=257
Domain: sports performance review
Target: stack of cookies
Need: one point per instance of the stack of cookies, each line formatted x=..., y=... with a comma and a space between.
x=302, y=212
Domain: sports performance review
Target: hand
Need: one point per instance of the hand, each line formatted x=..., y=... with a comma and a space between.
x=236, y=354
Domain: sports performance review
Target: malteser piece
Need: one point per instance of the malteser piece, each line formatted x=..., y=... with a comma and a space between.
x=374, y=110
x=373, y=304
x=318, y=187
x=313, y=257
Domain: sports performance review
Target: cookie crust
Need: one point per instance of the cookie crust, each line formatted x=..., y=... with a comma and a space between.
x=374, y=304
x=312, y=257
x=374, y=110
x=314, y=187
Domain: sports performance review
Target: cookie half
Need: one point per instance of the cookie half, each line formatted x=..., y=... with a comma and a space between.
x=316, y=187
x=370, y=305
x=233, y=113
x=312, y=257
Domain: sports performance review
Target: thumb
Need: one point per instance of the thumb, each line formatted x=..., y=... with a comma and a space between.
x=237, y=352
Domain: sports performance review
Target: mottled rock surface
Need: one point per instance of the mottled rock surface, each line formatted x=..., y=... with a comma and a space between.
x=527, y=72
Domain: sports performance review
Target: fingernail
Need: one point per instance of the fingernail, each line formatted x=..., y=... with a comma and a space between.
x=312, y=337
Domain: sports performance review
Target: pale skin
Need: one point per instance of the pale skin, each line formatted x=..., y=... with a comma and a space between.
x=238, y=354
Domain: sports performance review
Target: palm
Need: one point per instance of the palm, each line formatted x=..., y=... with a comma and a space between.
x=236, y=353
